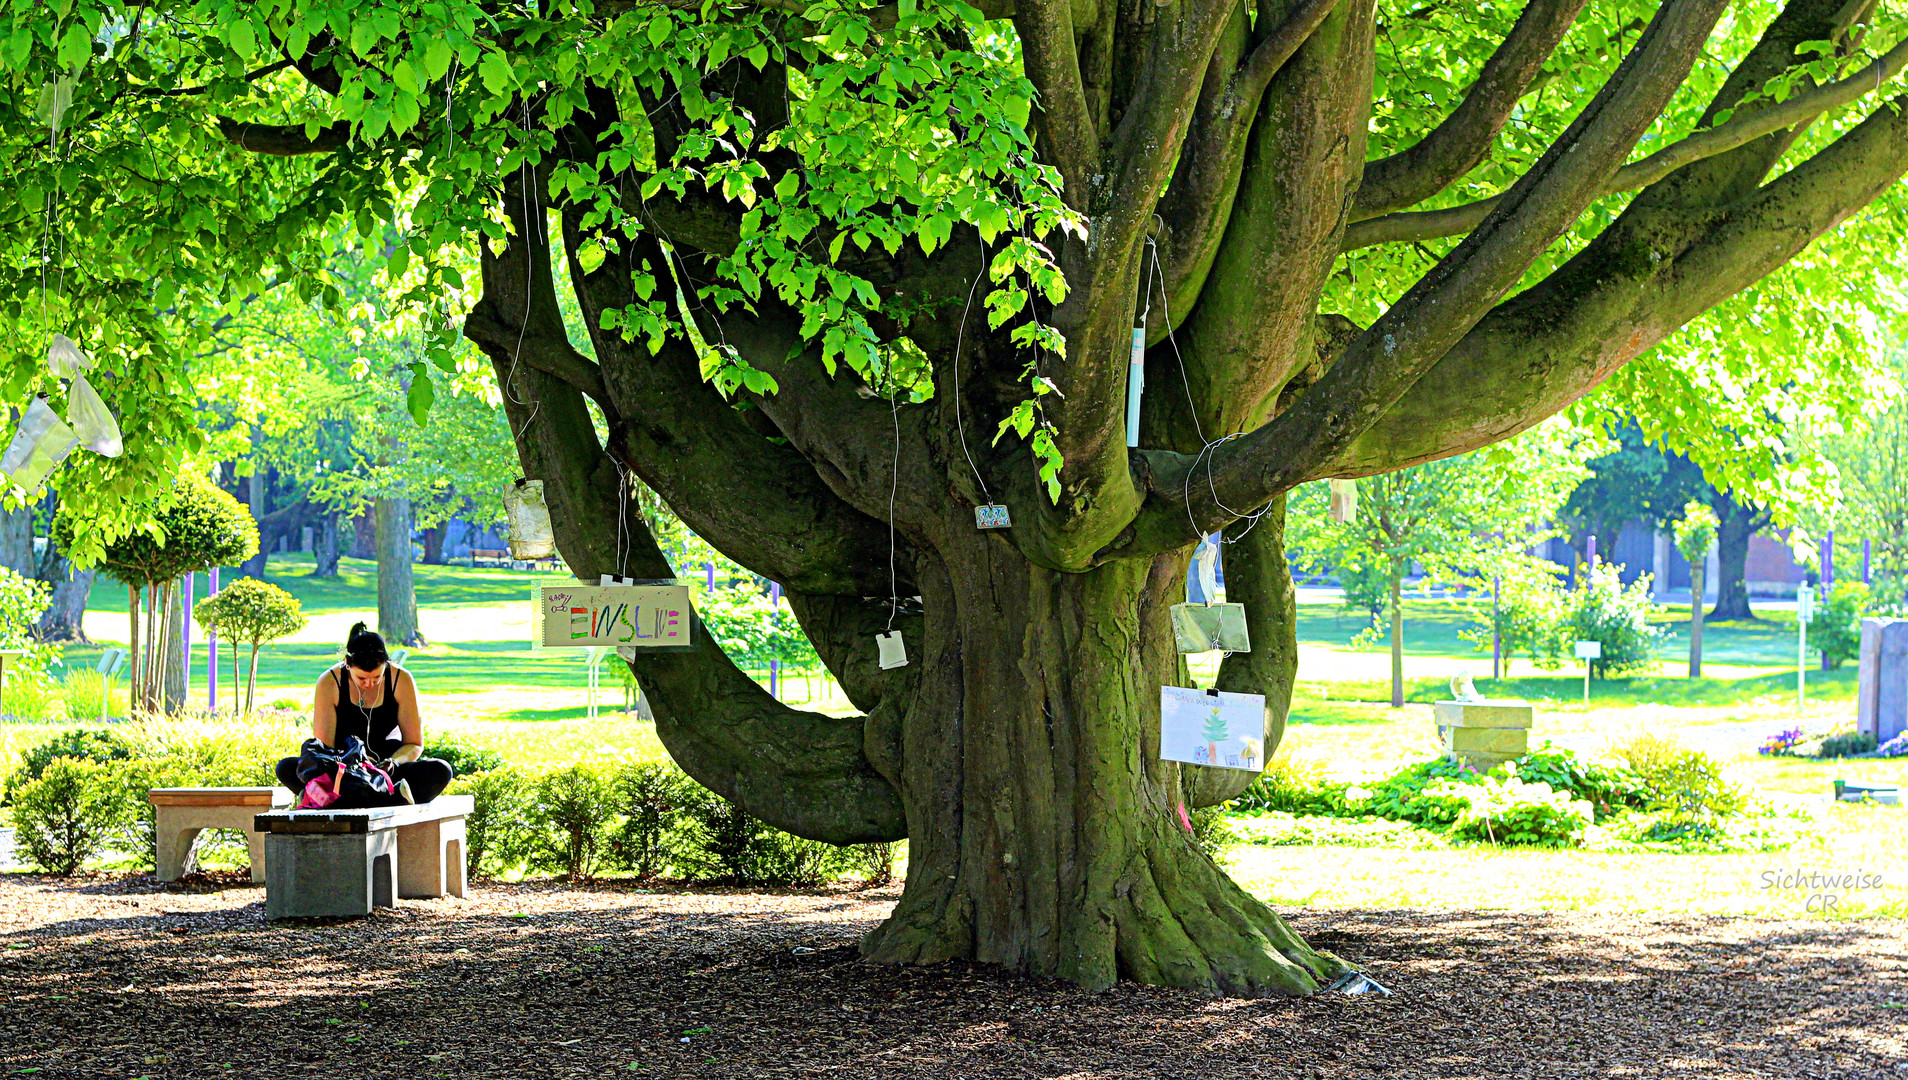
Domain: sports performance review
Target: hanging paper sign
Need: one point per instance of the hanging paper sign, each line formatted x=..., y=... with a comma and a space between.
x=890, y=650
x=992, y=516
x=1207, y=627
x=656, y=615
x=1212, y=727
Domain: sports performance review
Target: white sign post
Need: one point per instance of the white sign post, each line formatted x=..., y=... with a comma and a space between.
x=1804, y=614
x=1586, y=652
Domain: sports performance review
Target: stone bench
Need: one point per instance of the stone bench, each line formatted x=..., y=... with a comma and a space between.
x=180, y=814
x=348, y=862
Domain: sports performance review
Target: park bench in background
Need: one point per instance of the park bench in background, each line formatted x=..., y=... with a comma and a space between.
x=180, y=814
x=347, y=862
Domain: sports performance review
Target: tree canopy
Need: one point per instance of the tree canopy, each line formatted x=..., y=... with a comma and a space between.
x=847, y=271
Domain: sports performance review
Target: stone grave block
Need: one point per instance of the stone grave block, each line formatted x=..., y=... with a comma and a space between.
x=1881, y=698
x=1483, y=733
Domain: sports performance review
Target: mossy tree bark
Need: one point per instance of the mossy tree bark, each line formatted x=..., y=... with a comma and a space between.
x=1018, y=751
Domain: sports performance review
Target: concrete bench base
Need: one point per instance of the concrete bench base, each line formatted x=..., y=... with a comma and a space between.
x=180, y=814
x=349, y=862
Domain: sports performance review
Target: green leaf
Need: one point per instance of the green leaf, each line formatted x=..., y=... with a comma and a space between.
x=437, y=58
x=242, y=38
x=422, y=395
x=400, y=261
x=496, y=73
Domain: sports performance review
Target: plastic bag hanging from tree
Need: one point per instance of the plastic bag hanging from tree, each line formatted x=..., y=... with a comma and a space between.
x=55, y=98
x=64, y=358
x=42, y=442
x=1344, y=508
x=92, y=422
x=531, y=536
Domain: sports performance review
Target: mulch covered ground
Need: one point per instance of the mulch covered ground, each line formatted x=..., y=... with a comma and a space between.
x=116, y=977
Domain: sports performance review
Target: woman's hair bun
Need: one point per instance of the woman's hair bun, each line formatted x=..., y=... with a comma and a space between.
x=364, y=649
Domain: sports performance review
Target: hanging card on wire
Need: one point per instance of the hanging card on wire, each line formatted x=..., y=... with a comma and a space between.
x=1212, y=727
x=1344, y=507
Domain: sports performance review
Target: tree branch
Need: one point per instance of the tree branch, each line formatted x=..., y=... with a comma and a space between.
x=1738, y=131
x=1435, y=314
x=283, y=140
x=1455, y=146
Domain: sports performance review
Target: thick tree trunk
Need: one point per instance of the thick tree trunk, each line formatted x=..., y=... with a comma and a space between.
x=255, y=489
x=1695, y=619
x=397, y=595
x=16, y=542
x=1736, y=525
x=65, y=615
x=324, y=546
x=433, y=540
x=363, y=535
x=1044, y=832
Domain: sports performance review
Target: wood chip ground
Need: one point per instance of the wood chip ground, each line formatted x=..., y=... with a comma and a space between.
x=118, y=977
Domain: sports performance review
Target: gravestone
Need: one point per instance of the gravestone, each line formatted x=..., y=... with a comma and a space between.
x=1481, y=732
x=1881, y=700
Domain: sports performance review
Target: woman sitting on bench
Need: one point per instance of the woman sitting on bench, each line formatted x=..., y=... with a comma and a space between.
x=374, y=699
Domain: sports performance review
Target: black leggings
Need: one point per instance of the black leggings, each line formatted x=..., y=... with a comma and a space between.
x=428, y=776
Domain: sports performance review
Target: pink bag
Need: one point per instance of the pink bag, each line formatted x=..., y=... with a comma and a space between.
x=321, y=791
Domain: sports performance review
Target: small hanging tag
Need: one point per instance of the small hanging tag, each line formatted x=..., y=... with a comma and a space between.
x=612, y=579
x=1344, y=501
x=893, y=653
x=1209, y=571
x=1135, y=384
x=992, y=516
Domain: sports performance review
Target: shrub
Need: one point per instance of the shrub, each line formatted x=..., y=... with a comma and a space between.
x=80, y=744
x=875, y=862
x=81, y=691
x=22, y=601
x=463, y=758
x=1602, y=609
x=569, y=817
x=1407, y=795
x=726, y=844
x=1527, y=614
x=1607, y=788
x=1690, y=791
x=1291, y=785
x=135, y=778
x=1837, y=629
x=652, y=798
x=1840, y=746
x=69, y=814
x=1646, y=752
x=1511, y=811
x=495, y=838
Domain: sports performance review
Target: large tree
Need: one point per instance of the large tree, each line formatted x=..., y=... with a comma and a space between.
x=911, y=242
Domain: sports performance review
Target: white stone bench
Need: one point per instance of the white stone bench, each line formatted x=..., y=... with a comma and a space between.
x=348, y=862
x=180, y=814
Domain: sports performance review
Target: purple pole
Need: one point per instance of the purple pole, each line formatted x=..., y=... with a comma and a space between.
x=775, y=593
x=1865, y=551
x=710, y=567
x=212, y=650
x=1590, y=556
x=185, y=636
x=773, y=671
x=1828, y=563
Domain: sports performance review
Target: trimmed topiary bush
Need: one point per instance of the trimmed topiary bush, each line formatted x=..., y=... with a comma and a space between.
x=252, y=613
x=569, y=818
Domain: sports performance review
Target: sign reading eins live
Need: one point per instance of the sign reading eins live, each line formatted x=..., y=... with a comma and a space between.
x=618, y=616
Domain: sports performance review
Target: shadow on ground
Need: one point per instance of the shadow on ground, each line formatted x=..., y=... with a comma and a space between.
x=117, y=977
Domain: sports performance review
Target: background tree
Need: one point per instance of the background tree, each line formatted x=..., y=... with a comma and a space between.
x=1467, y=517
x=1737, y=519
x=1638, y=481
x=1872, y=458
x=1345, y=255
x=1695, y=535
x=253, y=613
x=197, y=526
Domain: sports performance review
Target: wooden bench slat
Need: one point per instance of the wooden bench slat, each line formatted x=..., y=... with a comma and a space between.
x=361, y=821
x=232, y=796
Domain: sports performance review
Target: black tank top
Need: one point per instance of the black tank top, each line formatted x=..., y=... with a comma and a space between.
x=355, y=719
